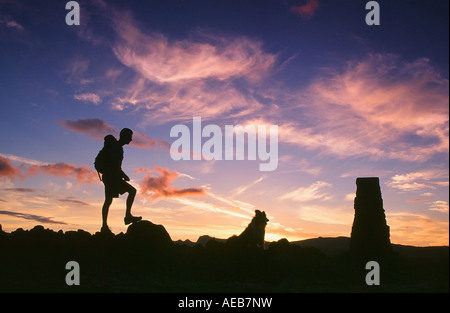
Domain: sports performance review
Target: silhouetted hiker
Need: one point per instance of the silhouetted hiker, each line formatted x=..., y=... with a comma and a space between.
x=114, y=179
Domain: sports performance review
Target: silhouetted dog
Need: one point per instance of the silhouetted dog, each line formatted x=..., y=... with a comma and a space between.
x=253, y=235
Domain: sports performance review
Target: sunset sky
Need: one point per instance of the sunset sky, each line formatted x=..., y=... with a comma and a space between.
x=350, y=100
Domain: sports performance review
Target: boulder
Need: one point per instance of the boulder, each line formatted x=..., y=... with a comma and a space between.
x=148, y=234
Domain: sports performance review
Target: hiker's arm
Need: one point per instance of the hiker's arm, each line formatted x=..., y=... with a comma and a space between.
x=125, y=176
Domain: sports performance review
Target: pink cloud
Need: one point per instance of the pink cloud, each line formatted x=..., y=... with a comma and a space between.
x=82, y=173
x=439, y=206
x=161, y=60
x=145, y=142
x=306, y=11
x=427, y=179
x=380, y=107
x=161, y=186
x=97, y=129
x=9, y=22
x=177, y=79
x=88, y=97
x=7, y=169
x=419, y=200
x=180, y=102
x=386, y=91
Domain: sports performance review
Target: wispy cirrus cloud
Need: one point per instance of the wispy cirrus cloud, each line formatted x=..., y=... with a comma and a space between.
x=19, y=189
x=241, y=189
x=176, y=79
x=72, y=200
x=414, y=181
x=180, y=102
x=380, y=106
x=439, y=206
x=88, y=97
x=33, y=217
x=315, y=191
x=23, y=160
x=419, y=200
x=162, y=60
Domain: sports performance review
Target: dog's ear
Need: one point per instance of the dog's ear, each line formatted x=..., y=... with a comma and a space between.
x=257, y=212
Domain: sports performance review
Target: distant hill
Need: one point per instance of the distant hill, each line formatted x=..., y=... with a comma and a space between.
x=438, y=252
x=205, y=238
x=337, y=245
x=328, y=245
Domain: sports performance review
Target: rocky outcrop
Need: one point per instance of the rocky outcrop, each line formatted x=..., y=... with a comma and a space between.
x=370, y=232
x=149, y=234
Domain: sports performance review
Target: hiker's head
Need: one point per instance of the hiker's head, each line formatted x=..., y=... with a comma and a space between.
x=126, y=135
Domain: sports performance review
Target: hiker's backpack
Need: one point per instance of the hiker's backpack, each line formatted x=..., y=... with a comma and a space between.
x=102, y=160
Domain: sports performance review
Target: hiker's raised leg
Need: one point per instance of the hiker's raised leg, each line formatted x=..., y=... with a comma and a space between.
x=130, y=200
x=128, y=217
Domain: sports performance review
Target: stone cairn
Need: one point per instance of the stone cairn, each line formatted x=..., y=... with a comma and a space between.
x=370, y=233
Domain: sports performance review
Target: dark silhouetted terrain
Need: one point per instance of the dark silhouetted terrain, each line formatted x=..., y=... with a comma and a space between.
x=146, y=260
